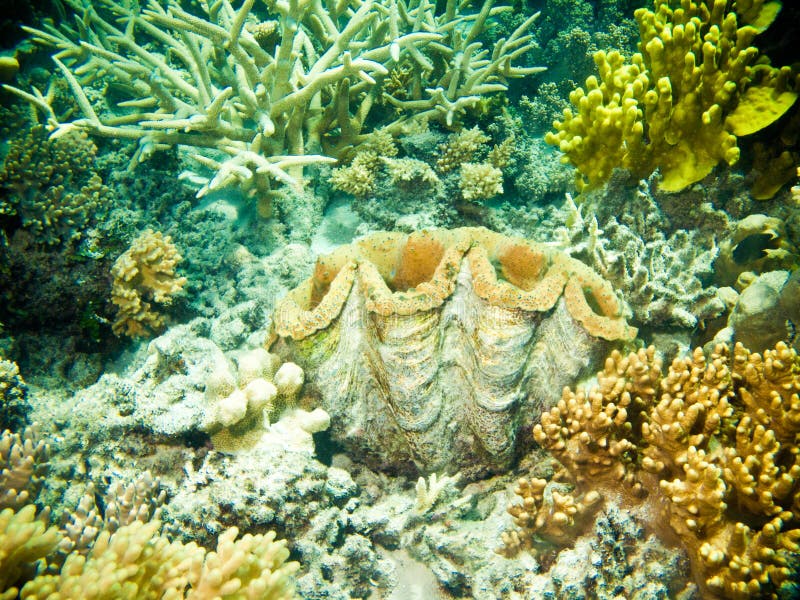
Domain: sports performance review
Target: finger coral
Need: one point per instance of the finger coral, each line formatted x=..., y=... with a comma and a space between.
x=136, y=562
x=433, y=348
x=23, y=457
x=711, y=446
x=24, y=539
x=678, y=104
x=144, y=274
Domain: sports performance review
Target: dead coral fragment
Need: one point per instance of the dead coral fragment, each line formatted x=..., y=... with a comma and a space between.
x=143, y=274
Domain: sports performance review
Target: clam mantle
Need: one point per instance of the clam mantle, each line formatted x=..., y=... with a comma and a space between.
x=434, y=349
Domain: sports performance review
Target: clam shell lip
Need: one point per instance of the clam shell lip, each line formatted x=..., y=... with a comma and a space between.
x=405, y=274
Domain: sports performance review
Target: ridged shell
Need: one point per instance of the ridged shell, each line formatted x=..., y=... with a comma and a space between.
x=435, y=349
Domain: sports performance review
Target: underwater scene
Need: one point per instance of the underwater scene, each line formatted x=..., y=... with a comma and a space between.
x=399, y=299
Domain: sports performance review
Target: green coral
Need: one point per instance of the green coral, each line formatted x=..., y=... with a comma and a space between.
x=51, y=185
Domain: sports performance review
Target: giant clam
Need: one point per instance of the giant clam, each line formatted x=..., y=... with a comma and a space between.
x=433, y=350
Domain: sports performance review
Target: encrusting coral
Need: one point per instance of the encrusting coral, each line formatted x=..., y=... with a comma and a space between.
x=143, y=274
x=711, y=446
x=421, y=346
x=678, y=104
x=206, y=82
x=51, y=185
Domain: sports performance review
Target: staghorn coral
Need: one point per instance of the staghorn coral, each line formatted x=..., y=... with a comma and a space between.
x=205, y=82
x=23, y=459
x=143, y=274
x=51, y=185
x=718, y=434
x=678, y=104
x=414, y=340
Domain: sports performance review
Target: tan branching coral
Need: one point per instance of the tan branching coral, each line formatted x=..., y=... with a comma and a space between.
x=144, y=274
x=460, y=148
x=410, y=173
x=718, y=434
x=23, y=458
x=480, y=181
x=13, y=391
x=549, y=516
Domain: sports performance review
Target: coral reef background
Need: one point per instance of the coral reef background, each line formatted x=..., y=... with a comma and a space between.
x=399, y=299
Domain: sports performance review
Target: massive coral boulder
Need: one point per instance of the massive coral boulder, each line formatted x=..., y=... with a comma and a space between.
x=433, y=350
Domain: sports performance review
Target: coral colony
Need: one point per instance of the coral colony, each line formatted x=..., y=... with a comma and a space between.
x=374, y=299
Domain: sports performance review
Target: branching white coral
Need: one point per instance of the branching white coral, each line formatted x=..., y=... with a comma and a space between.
x=258, y=109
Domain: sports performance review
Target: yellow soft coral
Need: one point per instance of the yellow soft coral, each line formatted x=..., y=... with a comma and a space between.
x=678, y=104
x=143, y=274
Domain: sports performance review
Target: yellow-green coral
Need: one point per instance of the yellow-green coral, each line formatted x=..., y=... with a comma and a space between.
x=143, y=274
x=137, y=563
x=713, y=446
x=51, y=185
x=24, y=539
x=678, y=104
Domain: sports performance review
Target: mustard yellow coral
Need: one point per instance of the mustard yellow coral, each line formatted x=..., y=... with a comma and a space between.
x=713, y=446
x=143, y=274
x=676, y=105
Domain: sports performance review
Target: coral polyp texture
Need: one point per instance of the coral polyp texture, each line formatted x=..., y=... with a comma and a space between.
x=711, y=447
x=51, y=186
x=259, y=99
x=436, y=347
x=144, y=274
x=679, y=104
